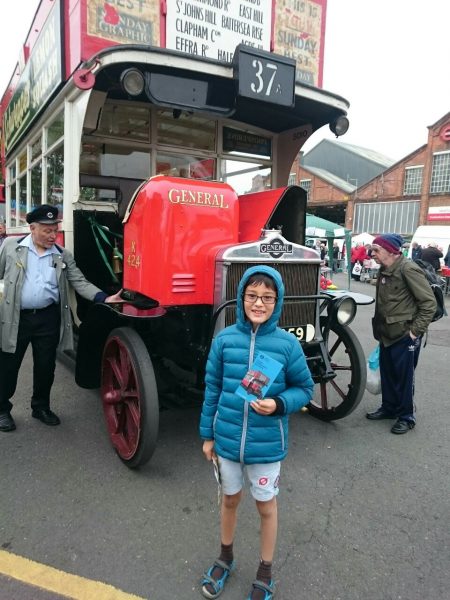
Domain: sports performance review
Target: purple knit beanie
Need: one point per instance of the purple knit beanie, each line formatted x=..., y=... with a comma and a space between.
x=392, y=242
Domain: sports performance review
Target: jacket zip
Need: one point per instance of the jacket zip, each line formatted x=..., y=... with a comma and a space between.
x=280, y=425
x=247, y=404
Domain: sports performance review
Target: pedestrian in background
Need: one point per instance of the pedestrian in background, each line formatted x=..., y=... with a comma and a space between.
x=335, y=257
x=447, y=257
x=405, y=306
x=359, y=256
x=251, y=436
x=2, y=230
x=323, y=251
x=35, y=309
x=416, y=251
x=432, y=254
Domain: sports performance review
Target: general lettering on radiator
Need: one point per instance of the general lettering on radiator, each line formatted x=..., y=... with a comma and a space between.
x=184, y=196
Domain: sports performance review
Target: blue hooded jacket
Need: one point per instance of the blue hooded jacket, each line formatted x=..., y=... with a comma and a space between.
x=239, y=433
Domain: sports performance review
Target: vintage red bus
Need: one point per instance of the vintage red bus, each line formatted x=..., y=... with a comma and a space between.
x=165, y=134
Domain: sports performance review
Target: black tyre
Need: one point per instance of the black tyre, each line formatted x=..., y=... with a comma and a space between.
x=129, y=397
x=338, y=397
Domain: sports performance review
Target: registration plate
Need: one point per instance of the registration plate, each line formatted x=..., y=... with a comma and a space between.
x=304, y=333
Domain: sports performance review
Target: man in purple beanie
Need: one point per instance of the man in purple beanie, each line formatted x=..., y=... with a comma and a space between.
x=405, y=306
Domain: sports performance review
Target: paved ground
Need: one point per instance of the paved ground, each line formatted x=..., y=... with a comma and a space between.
x=364, y=514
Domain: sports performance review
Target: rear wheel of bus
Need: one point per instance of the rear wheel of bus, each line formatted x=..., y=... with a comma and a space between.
x=130, y=397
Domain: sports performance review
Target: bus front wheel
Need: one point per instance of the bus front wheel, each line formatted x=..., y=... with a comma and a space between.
x=130, y=397
x=338, y=397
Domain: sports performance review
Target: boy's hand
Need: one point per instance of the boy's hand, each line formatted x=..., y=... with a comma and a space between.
x=208, y=449
x=264, y=407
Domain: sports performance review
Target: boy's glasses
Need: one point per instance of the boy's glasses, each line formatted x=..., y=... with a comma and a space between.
x=265, y=299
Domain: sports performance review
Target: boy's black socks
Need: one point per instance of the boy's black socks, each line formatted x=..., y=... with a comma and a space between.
x=264, y=572
x=226, y=553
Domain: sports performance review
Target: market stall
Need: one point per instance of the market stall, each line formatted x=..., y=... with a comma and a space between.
x=316, y=227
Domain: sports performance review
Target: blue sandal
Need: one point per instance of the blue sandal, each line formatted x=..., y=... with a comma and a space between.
x=267, y=588
x=216, y=584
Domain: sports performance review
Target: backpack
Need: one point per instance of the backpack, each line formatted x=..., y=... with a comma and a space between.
x=436, y=285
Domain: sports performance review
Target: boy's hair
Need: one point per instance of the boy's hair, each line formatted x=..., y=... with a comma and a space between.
x=258, y=279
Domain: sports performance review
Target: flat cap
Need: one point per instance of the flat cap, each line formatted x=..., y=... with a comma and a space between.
x=45, y=213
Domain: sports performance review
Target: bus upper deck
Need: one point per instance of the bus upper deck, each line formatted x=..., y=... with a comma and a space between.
x=90, y=116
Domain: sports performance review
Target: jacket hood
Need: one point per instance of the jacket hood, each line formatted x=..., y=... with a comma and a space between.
x=240, y=313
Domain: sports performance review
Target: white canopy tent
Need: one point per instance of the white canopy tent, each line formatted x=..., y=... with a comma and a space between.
x=362, y=238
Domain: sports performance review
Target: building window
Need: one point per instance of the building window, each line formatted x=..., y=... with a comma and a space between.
x=440, y=175
x=377, y=217
x=292, y=179
x=306, y=185
x=413, y=181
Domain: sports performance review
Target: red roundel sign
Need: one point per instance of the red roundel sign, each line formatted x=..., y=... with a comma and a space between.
x=445, y=133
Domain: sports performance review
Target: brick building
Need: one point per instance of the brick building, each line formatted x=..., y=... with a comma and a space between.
x=331, y=173
x=327, y=194
x=414, y=191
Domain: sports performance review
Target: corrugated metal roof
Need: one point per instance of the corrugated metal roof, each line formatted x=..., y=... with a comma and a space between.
x=372, y=155
x=330, y=178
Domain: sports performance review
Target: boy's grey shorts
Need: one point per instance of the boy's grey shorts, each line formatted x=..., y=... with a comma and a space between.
x=263, y=478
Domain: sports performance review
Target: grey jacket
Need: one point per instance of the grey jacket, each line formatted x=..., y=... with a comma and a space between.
x=13, y=264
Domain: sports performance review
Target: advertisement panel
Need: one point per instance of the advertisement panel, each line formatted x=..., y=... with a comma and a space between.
x=39, y=79
x=299, y=32
x=213, y=28
x=130, y=22
x=439, y=213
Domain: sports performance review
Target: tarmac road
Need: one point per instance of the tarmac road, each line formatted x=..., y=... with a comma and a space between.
x=364, y=514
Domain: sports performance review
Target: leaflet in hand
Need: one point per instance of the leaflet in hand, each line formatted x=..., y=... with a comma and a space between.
x=259, y=378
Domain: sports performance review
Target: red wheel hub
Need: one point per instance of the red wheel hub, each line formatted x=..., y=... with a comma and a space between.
x=121, y=398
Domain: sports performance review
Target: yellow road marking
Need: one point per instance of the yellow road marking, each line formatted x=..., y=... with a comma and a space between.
x=59, y=582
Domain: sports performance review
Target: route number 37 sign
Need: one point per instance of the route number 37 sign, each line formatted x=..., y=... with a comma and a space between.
x=264, y=76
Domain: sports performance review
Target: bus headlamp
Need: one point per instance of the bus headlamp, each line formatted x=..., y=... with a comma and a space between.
x=340, y=126
x=344, y=310
x=132, y=81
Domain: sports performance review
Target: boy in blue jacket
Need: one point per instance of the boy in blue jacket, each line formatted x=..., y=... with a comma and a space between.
x=251, y=435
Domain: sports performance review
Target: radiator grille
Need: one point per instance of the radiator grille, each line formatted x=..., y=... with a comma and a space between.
x=298, y=278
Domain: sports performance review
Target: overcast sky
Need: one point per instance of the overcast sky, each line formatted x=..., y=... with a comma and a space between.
x=389, y=58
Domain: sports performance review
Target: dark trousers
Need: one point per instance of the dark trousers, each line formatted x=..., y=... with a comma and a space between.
x=397, y=365
x=41, y=329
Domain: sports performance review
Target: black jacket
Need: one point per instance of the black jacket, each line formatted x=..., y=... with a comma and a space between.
x=432, y=255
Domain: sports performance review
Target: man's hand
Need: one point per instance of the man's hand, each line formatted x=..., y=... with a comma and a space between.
x=264, y=407
x=412, y=336
x=115, y=298
x=208, y=449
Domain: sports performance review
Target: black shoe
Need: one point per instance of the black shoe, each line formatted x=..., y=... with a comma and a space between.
x=403, y=426
x=6, y=422
x=46, y=416
x=379, y=414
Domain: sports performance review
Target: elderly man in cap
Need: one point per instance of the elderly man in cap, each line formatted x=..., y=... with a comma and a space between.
x=405, y=306
x=35, y=309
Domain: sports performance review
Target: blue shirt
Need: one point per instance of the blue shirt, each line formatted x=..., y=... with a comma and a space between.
x=40, y=288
